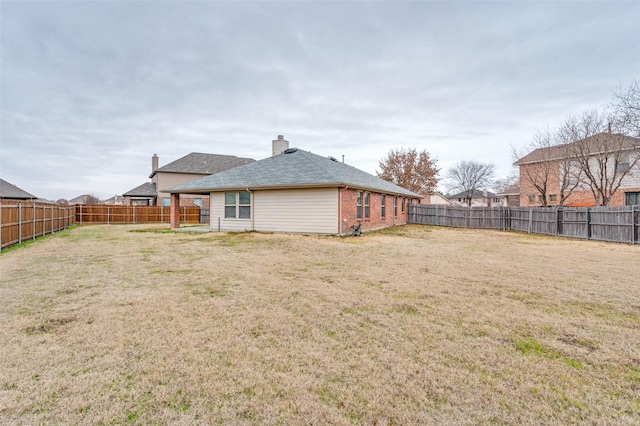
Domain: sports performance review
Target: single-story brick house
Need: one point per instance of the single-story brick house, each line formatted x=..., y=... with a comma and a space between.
x=297, y=192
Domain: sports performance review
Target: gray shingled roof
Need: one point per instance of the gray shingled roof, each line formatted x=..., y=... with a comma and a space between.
x=298, y=169
x=203, y=164
x=10, y=191
x=147, y=189
x=593, y=143
x=476, y=193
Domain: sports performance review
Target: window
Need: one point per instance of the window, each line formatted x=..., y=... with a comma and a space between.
x=166, y=202
x=366, y=205
x=237, y=205
x=540, y=198
x=623, y=164
x=631, y=198
x=403, y=200
x=382, y=205
x=395, y=206
x=532, y=198
x=362, y=200
x=197, y=202
x=553, y=197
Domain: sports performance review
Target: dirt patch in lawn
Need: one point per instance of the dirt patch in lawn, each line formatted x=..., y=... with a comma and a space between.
x=412, y=325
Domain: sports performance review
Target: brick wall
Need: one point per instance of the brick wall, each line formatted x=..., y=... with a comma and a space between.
x=581, y=197
x=375, y=220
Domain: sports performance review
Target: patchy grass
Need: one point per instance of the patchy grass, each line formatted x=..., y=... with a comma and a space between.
x=138, y=324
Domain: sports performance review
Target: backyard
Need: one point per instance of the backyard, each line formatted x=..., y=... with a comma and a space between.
x=137, y=324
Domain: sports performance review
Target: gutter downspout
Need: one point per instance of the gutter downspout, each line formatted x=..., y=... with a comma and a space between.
x=340, y=233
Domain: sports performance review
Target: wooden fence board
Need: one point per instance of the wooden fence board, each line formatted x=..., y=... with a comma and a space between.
x=614, y=224
x=24, y=220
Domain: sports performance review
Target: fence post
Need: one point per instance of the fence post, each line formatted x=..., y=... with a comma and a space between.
x=633, y=224
x=134, y=213
x=586, y=220
x=530, y=220
x=80, y=214
x=560, y=221
x=1, y=226
x=19, y=223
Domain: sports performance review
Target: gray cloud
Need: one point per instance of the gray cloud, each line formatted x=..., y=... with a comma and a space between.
x=91, y=90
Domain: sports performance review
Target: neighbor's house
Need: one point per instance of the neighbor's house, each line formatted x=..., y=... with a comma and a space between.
x=143, y=195
x=476, y=198
x=435, y=199
x=297, y=192
x=84, y=199
x=12, y=192
x=557, y=164
x=190, y=167
x=510, y=196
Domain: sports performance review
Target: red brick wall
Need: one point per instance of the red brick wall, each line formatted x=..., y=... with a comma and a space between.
x=582, y=197
x=375, y=221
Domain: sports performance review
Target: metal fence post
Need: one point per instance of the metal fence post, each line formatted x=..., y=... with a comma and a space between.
x=19, y=223
x=33, y=222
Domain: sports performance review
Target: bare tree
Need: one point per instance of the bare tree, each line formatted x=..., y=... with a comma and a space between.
x=626, y=109
x=91, y=199
x=410, y=169
x=502, y=184
x=547, y=163
x=470, y=176
x=604, y=158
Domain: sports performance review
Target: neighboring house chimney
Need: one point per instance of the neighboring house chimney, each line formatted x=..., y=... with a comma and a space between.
x=279, y=145
x=154, y=163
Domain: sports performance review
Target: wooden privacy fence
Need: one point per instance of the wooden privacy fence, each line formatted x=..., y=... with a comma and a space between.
x=86, y=214
x=23, y=221
x=614, y=224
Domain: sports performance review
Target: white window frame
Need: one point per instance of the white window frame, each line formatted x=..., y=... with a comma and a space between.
x=238, y=207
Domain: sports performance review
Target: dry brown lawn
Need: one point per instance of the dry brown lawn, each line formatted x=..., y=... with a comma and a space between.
x=413, y=325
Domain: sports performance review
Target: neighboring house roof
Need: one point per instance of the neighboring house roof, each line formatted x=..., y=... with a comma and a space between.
x=513, y=189
x=113, y=200
x=295, y=168
x=82, y=199
x=203, y=164
x=593, y=143
x=147, y=189
x=10, y=191
x=476, y=193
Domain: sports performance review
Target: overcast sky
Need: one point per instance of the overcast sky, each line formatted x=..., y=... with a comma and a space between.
x=91, y=90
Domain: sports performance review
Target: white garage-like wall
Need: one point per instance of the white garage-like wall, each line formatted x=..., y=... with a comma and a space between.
x=306, y=211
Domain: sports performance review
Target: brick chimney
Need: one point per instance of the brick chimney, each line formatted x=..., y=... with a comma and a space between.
x=154, y=163
x=279, y=146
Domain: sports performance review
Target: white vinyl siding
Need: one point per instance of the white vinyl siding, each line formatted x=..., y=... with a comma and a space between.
x=306, y=211
x=217, y=213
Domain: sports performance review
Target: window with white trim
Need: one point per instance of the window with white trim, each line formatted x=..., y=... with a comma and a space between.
x=367, y=211
x=382, y=205
x=237, y=205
